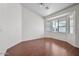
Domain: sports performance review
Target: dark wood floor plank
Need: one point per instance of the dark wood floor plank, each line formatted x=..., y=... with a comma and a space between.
x=43, y=47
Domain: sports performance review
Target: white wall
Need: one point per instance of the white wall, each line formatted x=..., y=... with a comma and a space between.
x=10, y=26
x=77, y=25
x=32, y=25
x=17, y=24
x=70, y=38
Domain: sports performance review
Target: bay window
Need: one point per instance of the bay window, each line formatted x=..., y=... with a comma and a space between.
x=62, y=24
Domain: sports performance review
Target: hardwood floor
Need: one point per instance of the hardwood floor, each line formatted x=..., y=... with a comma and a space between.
x=43, y=47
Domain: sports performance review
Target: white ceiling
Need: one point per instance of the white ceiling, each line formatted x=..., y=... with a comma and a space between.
x=54, y=7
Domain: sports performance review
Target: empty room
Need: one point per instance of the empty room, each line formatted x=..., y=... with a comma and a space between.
x=39, y=29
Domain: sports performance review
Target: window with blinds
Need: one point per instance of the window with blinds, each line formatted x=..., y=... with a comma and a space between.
x=62, y=24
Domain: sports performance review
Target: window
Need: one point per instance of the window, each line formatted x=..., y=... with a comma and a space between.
x=48, y=24
x=55, y=25
x=62, y=24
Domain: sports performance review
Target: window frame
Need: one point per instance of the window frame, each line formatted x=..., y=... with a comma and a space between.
x=67, y=26
x=67, y=17
x=60, y=19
